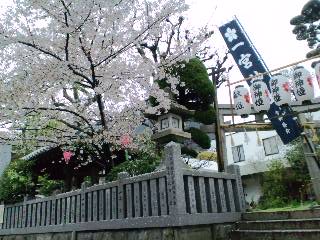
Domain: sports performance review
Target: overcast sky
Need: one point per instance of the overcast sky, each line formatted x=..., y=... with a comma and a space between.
x=266, y=22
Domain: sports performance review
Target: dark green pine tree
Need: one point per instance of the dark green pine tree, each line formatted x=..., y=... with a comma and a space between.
x=196, y=93
x=307, y=26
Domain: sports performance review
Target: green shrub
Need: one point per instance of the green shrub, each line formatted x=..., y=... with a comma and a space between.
x=206, y=155
x=206, y=117
x=16, y=181
x=145, y=160
x=201, y=138
x=189, y=152
x=295, y=157
x=196, y=91
x=276, y=202
x=134, y=167
x=48, y=186
x=282, y=186
x=274, y=187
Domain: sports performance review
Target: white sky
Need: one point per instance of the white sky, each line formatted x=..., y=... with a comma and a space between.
x=266, y=23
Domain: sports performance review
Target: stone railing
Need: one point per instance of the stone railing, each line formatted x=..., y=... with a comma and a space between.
x=175, y=195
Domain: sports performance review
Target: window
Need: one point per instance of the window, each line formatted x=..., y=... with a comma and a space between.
x=238, y=153
x=164, y=123
x=175, y=122
x=270, y=145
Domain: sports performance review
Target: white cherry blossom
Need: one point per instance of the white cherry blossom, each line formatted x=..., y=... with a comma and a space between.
x=88, y=67
x=231, y=34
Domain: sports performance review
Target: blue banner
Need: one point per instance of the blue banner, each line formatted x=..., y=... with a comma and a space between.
x=250, y=63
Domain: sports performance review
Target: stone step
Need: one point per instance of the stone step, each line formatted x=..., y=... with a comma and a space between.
x=297, y=234
x=312, y=223
x=281, y=215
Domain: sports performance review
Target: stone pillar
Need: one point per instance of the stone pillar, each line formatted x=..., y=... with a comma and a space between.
x=313, y=167
x=311, y=160
x=84, y=186
x=239, y=196
x=1, y=213
x=175, y=184
x=121, y=176
x=224, y=148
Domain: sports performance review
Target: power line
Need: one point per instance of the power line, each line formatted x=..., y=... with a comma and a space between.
x=274, y=70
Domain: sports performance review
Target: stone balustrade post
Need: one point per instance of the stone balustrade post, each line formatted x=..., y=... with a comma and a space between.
x=175, y=184
x=84, y=186
x=121, y=176
x=239, y=196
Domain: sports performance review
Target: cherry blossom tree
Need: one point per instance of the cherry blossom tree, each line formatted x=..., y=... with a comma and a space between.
x=85, y=68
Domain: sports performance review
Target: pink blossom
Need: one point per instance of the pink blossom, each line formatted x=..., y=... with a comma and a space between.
x=125, y=140
x=67, y=156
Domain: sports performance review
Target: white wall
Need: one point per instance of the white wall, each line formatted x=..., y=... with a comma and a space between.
x=252, y=188
x=5, y=157
x=255, y=157
x=315, y=116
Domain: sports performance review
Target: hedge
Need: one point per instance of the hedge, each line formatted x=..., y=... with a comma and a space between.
x=190, y=152
x=206, y=117
x=201, y=138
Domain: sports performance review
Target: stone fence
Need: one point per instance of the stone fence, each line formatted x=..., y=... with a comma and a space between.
x=175, y=195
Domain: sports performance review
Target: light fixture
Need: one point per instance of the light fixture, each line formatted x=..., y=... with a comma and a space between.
x=241, y=99
x=303, y=86
x=280, y=89
x=260, y=96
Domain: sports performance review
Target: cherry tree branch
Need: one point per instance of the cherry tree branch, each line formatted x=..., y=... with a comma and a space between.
x=131, y=43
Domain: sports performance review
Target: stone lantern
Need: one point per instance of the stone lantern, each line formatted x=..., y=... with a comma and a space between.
x=171, y=124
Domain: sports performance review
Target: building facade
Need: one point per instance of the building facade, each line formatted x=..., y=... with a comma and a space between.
x=253, y=153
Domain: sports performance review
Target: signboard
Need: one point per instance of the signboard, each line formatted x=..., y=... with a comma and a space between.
x=250, y=64
x=1, y=214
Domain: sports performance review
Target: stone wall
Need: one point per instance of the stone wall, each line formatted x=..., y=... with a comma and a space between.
x=204, y=232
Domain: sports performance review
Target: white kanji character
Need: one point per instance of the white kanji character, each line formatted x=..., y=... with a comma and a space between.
x=287, y=130
x=253, y=76
x=245, y=61
x=277, y=113
x=280, y=119
x=231, y=34
x=237, y=45
x=284, y=125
